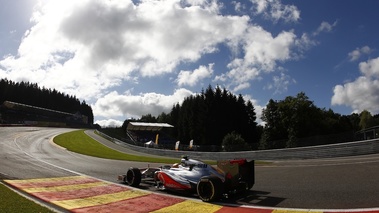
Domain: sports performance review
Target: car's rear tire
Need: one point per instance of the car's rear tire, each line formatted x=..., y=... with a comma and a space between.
x=133, y=177
x=209, y=189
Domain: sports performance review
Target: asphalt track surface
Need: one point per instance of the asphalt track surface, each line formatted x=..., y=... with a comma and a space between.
x=27, y=154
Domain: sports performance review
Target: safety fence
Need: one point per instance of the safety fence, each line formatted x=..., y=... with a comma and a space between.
x=363, y=147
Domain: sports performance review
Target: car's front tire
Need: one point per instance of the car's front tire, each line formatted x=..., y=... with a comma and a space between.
x=133, y=177
x=209, y=189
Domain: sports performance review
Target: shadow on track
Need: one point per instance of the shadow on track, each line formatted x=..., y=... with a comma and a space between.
x=256, y=198
x=250, y=198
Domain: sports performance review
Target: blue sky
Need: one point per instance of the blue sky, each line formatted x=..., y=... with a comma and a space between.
x=130, y=58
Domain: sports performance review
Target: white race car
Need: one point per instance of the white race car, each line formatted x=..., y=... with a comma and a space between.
x=208, y=182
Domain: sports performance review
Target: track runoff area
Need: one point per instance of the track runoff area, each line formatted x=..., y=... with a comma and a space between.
x=87, y=194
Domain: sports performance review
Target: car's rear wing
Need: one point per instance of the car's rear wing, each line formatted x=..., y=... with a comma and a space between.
x=238, y=170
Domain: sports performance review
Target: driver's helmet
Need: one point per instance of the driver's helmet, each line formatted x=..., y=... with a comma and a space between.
x=188, y=162
x=175, y=165
x=184, y=161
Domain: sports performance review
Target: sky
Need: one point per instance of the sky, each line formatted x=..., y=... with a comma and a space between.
x=128, y=58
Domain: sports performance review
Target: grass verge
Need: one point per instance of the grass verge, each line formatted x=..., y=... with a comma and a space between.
x=13, y=202
x=78, y=141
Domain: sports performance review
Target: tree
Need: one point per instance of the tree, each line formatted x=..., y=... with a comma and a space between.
x=251, y=130
x=366, y=119
x=297, y=117
x=234, y=142
x=209, y=116
x=31, y=94
x=375, y=120
x=148, y=118
x=274, y=129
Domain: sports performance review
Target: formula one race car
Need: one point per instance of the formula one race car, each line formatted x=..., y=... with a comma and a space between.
x=208, y=182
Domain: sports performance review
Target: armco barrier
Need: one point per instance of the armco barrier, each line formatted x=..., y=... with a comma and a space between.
x=324, y=151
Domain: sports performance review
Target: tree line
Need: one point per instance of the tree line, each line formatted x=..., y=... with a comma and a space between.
x=32, y=94
x=214, y=115
x=290, y=121
x=209, y=116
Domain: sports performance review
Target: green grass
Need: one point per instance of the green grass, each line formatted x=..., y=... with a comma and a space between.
x=116, y=132
x=10, y=201
x=78, y=141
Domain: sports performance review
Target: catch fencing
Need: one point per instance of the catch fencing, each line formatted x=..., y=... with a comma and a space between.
x=363, y=147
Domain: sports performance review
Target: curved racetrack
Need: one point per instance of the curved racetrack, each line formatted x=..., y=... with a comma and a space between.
x=339, y=183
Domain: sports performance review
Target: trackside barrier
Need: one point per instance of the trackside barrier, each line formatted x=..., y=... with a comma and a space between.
x=312, y=152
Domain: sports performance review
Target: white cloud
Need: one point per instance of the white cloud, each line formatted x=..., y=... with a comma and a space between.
x=260, y=5
x=191, y=78
x=241, y=86
x=73, y=44
x=370, y=68
x=363, y=93
x=357, y=53
x=261, y=51
x=90, y=47
x=304, y=43
x=325, y=27
x=275, y=10
x=238, y=6
x=126, y=105
x=280, y=83
x=109, y=123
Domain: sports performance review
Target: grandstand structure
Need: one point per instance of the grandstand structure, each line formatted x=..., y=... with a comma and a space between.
x=149, y=133
x=18, y=113
x=368, y=133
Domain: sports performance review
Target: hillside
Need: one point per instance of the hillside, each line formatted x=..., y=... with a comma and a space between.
x=37, y=103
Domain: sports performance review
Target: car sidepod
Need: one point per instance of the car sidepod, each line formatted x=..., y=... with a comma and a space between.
x=172, y=181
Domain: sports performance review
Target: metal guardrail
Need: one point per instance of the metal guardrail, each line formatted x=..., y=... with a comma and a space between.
x=312, y=152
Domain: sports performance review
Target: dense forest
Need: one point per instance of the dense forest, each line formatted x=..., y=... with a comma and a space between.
x=296, y=121
x=208, y=118
x=31, y=94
